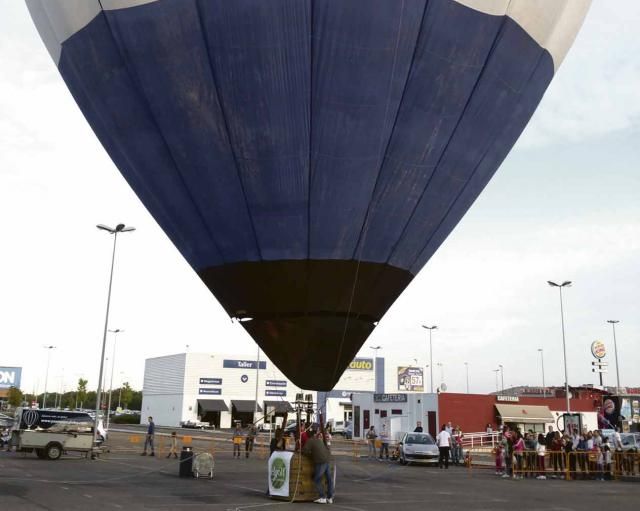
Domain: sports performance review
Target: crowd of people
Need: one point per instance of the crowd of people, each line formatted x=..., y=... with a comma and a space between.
x=583, y=455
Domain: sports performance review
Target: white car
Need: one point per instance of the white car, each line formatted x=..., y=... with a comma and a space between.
x=418, y=448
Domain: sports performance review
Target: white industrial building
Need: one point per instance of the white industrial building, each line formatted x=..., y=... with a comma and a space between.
x=220, y=389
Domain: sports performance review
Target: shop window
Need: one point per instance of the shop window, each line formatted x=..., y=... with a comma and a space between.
x=383, y=414
x=396, y=412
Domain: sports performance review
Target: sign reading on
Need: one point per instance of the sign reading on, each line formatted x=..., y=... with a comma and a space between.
x=276, y=383
x=389, y=398
x=361, y=364
x=210, y=381
x=410, y=379
x=243, y=364
x=214, y=392
x=275, y=392
x=10, y=377
x=598, y=349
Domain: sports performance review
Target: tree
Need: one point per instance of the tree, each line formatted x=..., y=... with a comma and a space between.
x=127, y=394
x=81, y=391
x=15, y=396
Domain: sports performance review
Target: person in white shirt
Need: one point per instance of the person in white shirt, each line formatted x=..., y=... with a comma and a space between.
x=443, y=440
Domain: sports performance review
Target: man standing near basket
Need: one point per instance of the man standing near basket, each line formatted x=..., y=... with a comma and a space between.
x=320, y=456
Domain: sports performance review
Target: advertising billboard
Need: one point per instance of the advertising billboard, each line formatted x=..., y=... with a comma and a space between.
x=410, y=379
x=10, y=377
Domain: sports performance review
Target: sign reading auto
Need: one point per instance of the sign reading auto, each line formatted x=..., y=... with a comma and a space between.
x=10, y=377
x=361, y=364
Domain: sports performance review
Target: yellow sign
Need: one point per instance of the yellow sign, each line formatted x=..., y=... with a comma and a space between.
x=363, y=364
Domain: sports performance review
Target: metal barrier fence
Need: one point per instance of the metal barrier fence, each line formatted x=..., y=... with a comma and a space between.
x=567, y=465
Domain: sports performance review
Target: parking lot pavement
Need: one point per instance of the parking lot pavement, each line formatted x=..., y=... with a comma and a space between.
x=129, y=481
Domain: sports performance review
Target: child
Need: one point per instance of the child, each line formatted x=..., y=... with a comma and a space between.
x=599, y=463
x=606, y=448
x=173, y=445
x=541, y=450
x=237, y=441
x=499, y=465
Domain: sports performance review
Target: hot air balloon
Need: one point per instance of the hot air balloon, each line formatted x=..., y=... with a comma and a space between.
x=307, y=157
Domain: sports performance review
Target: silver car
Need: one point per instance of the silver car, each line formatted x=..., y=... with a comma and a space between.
x=418, y=448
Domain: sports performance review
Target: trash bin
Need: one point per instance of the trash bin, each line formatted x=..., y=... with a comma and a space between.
x=186, y=462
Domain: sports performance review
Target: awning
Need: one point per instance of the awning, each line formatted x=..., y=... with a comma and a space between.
x=244, y=405
x=528, y=414
x=280, y=406
x=213, y=405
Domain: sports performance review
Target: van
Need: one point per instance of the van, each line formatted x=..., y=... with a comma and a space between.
x=50, y=433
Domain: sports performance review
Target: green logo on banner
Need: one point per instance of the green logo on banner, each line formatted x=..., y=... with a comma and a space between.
x=278, y=473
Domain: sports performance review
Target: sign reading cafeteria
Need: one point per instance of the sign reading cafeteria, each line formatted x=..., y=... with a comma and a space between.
x=410, y=379
x=389, y=398
x=362, y=364
x=598, y=349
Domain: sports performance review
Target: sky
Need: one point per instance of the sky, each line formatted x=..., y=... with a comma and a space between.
x=565, y=205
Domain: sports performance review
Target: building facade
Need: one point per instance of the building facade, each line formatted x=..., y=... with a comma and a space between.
x=221, y=389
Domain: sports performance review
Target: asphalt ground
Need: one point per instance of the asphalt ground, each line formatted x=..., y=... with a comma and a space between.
x=125, y=480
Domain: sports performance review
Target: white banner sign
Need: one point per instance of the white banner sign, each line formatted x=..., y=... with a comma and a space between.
x=279, y=469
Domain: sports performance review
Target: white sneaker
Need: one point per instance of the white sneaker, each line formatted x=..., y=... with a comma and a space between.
x=321, y=501
x=330, y=500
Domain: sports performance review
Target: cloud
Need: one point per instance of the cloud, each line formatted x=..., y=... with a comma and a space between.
x=597, y=89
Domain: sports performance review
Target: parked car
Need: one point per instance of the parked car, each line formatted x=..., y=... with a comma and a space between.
x=417, y=448
x=630, y=442
x=191, y=424
x=337, y=427
x=348, y=430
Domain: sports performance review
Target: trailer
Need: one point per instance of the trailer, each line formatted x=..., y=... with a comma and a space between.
x=51, y=433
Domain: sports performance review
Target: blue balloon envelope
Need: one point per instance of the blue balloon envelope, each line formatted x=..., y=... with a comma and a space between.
x=307, y=157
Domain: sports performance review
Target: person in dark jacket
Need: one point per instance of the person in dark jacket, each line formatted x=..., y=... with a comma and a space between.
x=418, y=427
x=319, y=454
x=148, y=441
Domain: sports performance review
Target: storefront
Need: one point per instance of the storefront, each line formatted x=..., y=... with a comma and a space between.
x=525, y=417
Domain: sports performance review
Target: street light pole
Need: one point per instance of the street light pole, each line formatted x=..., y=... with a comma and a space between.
x=544, y=388
x=113, y=363
x=430, y=328
x=255, y=407
x=466, y=366
x=375, y=369
x=118, y=229
x=501, y=376
x=615, y=350
x=46, y=375
x=496, y=371
x=566, y=283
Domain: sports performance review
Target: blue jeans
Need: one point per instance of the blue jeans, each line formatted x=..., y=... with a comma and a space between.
x=148, y=442
x=322, y=470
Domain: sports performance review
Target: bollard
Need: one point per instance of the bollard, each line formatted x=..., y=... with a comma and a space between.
x=186, y=462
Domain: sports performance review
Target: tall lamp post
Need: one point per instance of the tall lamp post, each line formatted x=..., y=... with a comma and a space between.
x=544, y=388
x=496, y=371
x=375, y=369
x=430, y=328
x=46, y=375
x=466, y=366
x=566, y=283
x=500, y=366
x=113, y=363
x=115, y=231
x=615, y=350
